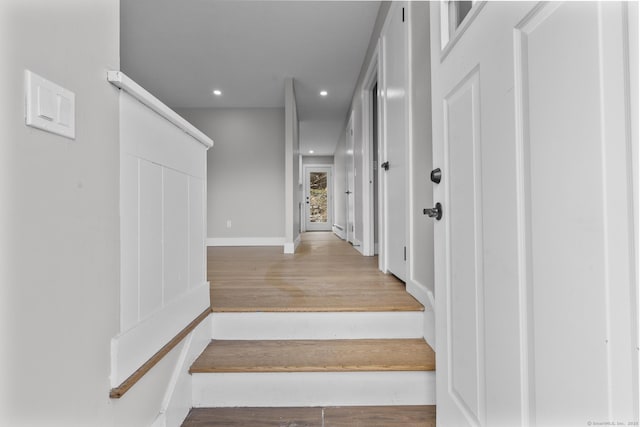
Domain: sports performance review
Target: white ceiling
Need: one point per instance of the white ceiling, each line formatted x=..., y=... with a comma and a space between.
x=180, y=50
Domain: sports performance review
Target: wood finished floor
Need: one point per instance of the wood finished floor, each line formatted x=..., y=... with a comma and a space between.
x=316, y=356
x=325, y=274
x=357, y=416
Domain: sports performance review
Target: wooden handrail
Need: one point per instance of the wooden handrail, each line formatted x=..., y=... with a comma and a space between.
x=119, y=391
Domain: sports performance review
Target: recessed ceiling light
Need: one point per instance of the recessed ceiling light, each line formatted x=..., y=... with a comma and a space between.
x=311, y=151
x=217, y=92
x=324, y=93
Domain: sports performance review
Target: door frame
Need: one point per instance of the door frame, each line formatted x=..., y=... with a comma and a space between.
x=368, y=226
x=330, y=209
x=350, y=167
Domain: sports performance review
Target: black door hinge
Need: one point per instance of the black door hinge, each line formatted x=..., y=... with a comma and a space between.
x=405, y=253
x=403, y=14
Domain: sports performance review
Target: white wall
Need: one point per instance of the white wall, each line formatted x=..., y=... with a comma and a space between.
x=59, y=227
x=420, y=281
x=246, y=171
x=317, y=160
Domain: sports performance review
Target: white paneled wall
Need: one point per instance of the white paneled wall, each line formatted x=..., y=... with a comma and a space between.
x=162, y=221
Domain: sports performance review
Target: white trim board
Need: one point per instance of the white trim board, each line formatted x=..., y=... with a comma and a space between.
x=245, y=241
x=290, y=248
x=339, y=231
x=317, y=325
x=122, y=81
x=132, y=348
x=297, y=389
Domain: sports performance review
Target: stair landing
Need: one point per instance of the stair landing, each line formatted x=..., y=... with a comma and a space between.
x=324, y=275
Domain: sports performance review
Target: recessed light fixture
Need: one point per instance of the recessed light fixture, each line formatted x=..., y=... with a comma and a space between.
x=217, y=92
x=311, y=151
x=324, y=93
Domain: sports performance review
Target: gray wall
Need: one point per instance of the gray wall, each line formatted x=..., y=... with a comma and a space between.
x=246, y=172
x=59, y=231
x=421, y=265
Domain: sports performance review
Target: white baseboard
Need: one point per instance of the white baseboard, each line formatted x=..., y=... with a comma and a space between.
x=290, y=247
x=339, y=231
x=245, y=241
x=264, y=389
x=358, y=247
x=426, y=298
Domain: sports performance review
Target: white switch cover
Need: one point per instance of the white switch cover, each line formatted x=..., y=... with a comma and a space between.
x=48, y=106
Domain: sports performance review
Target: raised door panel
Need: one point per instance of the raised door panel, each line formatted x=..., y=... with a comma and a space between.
x=465, y=333
x=576, y=183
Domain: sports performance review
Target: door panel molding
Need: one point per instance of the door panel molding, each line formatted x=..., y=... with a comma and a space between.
x=465, y=334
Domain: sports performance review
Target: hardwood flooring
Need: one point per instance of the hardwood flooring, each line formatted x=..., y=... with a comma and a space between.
x=316, y=356
x=325, y=274
x=358, y=416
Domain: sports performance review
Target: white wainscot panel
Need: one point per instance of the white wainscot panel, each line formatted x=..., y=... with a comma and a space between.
x=163, y=279
x=129, y=265
x=176, y=234
x=197, y=244
x=150, y=224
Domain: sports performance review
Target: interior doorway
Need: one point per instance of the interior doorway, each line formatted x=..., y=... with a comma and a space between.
x=318, y=187
x=374, y=163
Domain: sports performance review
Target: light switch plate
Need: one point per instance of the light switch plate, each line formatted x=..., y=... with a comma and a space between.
x=48, y=106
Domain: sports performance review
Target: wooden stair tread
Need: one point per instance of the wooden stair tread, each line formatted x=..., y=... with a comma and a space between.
x=369, y=416
x=315, y=356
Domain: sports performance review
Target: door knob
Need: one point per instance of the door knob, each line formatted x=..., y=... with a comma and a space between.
x=385, y=166
x=347, y=192
x=436, y=175
x=434, y=212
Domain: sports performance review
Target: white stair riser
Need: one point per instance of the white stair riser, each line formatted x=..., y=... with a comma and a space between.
x=313, y=389
x=335, y=325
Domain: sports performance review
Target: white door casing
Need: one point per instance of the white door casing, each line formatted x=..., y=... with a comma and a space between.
x=309, y=224
x=536, y=319
x=351, y=171
x=393, y=105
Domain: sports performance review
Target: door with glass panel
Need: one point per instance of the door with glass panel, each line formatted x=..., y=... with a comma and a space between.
x=535, y=264
x=318, y=198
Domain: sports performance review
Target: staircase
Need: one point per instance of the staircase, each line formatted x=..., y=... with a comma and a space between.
x=293, y=343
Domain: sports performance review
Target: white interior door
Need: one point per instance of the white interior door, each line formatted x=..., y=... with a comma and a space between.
x=351, y=183
x=318, y=198
x=393, y=161
x=535, y=316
